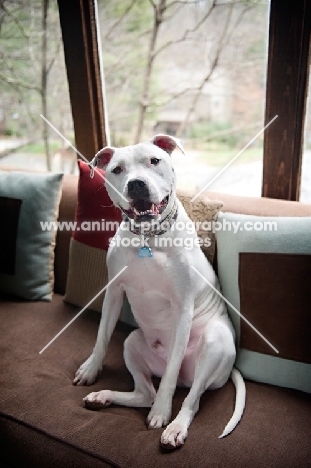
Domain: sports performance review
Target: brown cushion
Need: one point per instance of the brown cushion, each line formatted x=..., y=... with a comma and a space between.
x=67, y=210
x=40, y=409
x=275, y=297
x=260, y=206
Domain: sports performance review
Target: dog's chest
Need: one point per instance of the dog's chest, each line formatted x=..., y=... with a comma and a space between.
x=150, y=290
x=144, y=275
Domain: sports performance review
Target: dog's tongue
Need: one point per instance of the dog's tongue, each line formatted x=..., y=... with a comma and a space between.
x=143, y=205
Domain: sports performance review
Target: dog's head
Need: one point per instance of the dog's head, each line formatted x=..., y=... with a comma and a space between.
x=140, y=179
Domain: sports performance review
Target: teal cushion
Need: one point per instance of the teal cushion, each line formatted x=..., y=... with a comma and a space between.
x=265, y=274
x=32, y=275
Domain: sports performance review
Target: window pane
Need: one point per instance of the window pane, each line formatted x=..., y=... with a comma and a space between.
x=30, y=55
x=199, y=73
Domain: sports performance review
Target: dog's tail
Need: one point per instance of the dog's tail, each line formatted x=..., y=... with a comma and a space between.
x=239, y=384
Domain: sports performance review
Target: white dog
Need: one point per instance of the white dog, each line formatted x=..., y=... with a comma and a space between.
x=184, y=335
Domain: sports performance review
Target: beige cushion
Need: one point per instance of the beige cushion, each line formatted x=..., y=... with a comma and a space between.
x=87, y=275
x=201, y=210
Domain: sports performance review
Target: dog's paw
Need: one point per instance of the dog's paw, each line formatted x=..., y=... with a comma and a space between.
x=100, y=399
x=87, y=372
x=158, y=417
x=173, y=436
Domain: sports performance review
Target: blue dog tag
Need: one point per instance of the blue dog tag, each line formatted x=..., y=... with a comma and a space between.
x=144, y=252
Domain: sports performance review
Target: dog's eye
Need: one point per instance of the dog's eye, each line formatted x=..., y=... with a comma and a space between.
x=117, y=170
x=154, y=161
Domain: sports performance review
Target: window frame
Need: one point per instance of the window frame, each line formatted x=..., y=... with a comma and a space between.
x=82, y=50
x=286, y=96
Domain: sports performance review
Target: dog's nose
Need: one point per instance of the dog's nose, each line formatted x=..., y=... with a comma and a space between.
x=137, y=188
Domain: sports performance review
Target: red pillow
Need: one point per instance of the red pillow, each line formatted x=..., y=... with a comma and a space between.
x=94, y=205
x=87, y=272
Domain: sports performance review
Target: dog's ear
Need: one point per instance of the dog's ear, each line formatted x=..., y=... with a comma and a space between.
x=101, y=159
x=167, y=143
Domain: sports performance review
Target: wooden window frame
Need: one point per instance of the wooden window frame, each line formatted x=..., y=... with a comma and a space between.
x=286, y=94
x=80, y=32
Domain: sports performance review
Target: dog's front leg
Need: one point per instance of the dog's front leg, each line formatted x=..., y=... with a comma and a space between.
x=88, y=371
x=161, y=410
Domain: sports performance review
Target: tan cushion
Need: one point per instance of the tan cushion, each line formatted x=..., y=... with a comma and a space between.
x=87, y=275
x=201, y=210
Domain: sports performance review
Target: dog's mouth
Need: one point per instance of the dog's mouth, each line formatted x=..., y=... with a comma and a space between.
x=144, y=210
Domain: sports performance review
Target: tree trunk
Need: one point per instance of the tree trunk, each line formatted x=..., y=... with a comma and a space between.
x=182, y=127
x=221, y=45
x=144, y=101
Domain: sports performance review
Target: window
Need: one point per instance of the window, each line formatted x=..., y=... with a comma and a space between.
x=33, y=82
x=202, y=78
x=140, y=113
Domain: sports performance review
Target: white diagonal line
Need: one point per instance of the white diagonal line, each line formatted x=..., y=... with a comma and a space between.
x=81, y=155
x=85, y=307
x=234, y=158
x=236, y=310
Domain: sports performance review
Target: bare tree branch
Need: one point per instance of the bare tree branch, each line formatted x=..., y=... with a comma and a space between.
x=22, y=98
x=153, y=4
x=182, y=2
x=172, y=97
x=120, y=19
x=224, y=40
x=18, y=86
x=15, y=83
x=144, y=101
x=207, y=77
x=13, y=17
x=188, y=31
x=50, y=65
x=239, y=19
x=159, y=10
